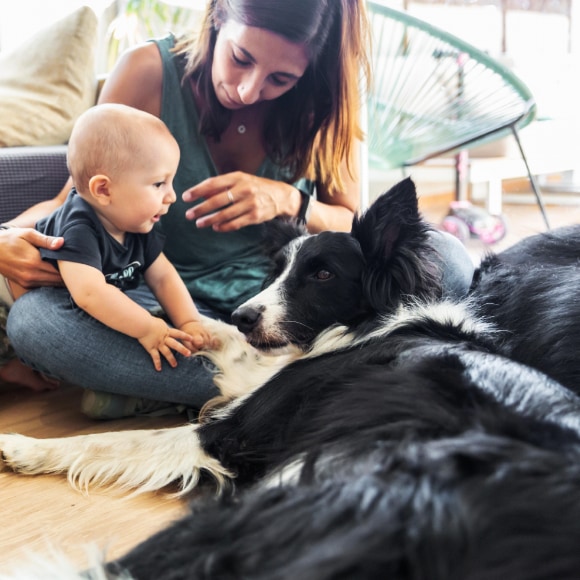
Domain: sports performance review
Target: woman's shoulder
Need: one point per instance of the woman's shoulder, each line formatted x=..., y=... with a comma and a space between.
x=165, y=44
x=136, y=79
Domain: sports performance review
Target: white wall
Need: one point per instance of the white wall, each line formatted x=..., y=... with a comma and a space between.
x=20, y=19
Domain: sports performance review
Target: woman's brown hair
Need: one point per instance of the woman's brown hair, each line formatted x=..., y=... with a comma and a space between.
x=311, y=128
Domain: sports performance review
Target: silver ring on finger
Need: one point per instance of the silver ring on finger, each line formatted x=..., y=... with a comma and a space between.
x=230, y=196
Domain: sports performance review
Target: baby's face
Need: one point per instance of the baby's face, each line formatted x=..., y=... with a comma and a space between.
x=144, y=192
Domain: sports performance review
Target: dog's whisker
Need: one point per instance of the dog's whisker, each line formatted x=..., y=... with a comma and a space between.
x=298, y=323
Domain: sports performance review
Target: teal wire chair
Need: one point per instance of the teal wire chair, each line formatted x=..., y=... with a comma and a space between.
x=433, y=93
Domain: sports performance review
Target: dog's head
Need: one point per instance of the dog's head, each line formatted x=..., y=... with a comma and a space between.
x=337, y=278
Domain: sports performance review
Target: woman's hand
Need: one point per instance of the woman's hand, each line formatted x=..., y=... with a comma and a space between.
x=20, y=259
x=235, y=200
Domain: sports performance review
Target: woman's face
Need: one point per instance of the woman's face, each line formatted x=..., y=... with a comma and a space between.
x=253, y=64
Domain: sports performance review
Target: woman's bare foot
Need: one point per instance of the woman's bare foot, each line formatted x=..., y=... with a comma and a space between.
x=17, y=373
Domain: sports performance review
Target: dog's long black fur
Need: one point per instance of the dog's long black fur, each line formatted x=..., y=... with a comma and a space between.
x=432, y=441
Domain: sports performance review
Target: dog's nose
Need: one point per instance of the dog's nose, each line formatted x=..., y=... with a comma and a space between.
x=246, y=318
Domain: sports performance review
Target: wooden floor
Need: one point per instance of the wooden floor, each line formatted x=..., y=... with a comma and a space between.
x=41, y=511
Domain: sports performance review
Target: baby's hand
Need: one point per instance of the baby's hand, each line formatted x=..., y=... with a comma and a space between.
x=201, y=337
x=161, y=340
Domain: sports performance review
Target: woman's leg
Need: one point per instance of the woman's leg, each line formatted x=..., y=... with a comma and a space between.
x=13, y=371
x=6, y=351
x=60, y=340
x=456, y=265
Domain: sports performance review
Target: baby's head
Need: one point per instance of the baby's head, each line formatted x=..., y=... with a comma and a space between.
x=111, y=139
x=123, y=162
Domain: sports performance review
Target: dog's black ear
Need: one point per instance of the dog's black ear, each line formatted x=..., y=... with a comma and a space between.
x=392, y=217
x=279, y=232
x=395, y=242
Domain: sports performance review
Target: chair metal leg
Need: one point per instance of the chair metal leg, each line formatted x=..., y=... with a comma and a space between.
x=533, y=181
x=461, y=175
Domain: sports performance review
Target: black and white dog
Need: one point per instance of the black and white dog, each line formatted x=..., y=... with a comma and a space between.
x=400, y=436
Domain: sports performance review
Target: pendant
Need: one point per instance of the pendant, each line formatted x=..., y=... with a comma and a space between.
x=241, y=128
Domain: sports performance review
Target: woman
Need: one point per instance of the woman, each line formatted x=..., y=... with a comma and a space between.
x=264, y=104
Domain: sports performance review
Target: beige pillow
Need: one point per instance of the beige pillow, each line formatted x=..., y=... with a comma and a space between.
x=48, y=81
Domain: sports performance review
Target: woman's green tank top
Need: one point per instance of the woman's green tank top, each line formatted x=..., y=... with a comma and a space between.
x=221, y=269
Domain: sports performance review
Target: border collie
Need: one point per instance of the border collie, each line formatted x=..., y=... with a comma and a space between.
x=399, y=436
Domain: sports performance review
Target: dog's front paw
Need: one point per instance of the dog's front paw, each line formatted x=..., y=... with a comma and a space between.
x=22, y=454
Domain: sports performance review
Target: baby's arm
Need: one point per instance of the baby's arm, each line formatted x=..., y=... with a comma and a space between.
x=175, y=299
x=110, y=306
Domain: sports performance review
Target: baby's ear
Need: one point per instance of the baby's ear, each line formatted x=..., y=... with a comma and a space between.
x=100, y=189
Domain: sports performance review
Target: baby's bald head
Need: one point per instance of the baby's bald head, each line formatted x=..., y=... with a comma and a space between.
x=110, y=138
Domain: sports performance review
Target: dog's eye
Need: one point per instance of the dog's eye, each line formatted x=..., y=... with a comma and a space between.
x=323, y=275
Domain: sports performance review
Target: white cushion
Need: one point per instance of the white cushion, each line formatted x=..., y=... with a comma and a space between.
x=48, y=81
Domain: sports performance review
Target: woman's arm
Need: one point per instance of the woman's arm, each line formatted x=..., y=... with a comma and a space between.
x=20, y=259
x=29, y=217
x=238, y=199
x=335, y=211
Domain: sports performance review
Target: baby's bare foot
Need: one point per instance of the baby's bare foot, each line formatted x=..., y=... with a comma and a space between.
x=17, y=373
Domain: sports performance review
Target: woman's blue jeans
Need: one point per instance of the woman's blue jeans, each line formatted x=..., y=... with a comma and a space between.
x=56, y=338
x=456, y=265
x=60, y=340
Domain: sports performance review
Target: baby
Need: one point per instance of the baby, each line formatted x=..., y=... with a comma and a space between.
x=122, y=162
